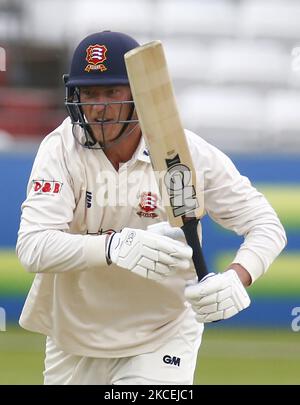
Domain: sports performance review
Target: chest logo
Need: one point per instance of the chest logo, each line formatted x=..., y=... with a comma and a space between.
x=147, y=205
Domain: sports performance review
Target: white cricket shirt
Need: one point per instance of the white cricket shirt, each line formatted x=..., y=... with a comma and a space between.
x=74, y=198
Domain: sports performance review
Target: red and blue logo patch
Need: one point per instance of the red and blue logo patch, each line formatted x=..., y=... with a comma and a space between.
x=47, y=186
x=95, y=56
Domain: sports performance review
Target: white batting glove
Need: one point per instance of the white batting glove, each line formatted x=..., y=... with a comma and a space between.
x=217, y=296
x=165, y=229
x=147, y=254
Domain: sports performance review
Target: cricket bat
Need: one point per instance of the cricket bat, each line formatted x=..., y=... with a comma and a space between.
x=158, y=115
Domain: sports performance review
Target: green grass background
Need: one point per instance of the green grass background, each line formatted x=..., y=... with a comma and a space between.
x=14, y=280
x=227, y=356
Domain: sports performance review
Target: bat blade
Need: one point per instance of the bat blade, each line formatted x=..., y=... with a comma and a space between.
x=160, y=122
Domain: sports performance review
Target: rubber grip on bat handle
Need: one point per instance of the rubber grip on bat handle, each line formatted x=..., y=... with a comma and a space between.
x=191, y=235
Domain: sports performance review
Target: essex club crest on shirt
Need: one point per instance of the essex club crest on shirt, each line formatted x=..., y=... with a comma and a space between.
x=95, y=56
x=148, y=204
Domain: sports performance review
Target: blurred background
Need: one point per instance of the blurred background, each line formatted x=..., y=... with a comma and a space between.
x=236, y=71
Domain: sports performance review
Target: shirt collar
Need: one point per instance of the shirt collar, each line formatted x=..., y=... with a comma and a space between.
x=141, y=152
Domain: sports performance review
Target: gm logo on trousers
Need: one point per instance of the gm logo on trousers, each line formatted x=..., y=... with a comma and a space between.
x=173, y=360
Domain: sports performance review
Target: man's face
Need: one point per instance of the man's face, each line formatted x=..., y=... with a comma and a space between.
x=105, y=113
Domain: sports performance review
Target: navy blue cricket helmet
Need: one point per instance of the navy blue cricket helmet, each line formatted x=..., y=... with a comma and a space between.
x=98, y=60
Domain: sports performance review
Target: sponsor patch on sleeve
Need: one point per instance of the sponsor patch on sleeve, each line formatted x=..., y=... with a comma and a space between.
x=52, y=187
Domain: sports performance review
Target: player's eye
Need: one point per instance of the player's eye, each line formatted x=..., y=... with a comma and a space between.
x=86, y=93
x=113, y=92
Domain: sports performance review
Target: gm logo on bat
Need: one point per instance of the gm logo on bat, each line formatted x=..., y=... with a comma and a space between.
x=177, y=181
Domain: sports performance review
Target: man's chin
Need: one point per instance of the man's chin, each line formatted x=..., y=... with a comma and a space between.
x=106, y=139
x=109, y=134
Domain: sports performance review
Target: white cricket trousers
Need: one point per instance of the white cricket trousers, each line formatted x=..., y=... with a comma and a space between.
x=173, y=363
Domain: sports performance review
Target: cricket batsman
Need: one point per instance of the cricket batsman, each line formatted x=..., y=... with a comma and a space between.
x=114, y=289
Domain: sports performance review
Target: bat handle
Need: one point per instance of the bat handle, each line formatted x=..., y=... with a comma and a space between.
x=191, y=235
